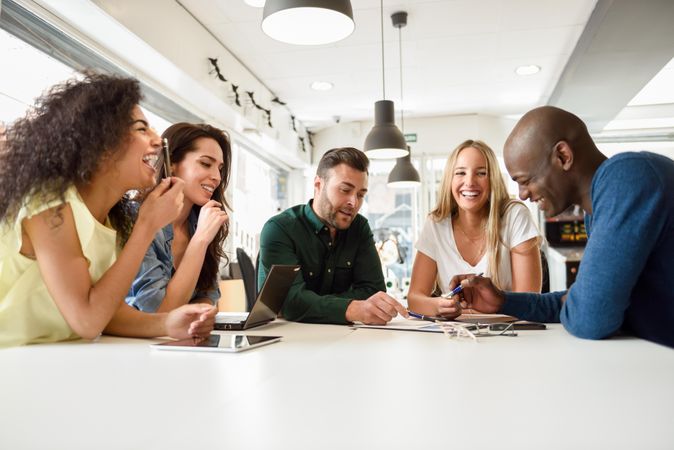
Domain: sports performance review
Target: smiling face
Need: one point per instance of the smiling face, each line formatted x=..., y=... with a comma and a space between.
x=135, y=167
x=339, y=196
x=201, y=169
x=551, y=156
x=470, y=180
x=540, y=180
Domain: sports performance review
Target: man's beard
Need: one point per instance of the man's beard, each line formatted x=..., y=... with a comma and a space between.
x=328, y=212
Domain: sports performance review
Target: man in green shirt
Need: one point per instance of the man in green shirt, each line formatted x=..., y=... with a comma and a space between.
x=341, y=279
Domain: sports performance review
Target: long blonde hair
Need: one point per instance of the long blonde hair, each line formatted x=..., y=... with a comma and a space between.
x=499, y=201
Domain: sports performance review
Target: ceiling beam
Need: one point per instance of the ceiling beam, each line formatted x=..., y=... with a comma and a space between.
x=624, y=45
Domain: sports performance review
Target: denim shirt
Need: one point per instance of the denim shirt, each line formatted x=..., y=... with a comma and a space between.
x=149, y=288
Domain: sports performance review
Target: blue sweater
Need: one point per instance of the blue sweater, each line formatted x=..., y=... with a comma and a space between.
x=625, y=277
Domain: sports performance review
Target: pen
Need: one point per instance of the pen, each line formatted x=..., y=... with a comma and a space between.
x=421, y=316
x=459, y=288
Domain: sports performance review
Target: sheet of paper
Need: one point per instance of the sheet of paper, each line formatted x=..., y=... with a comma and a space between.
x=402, y=324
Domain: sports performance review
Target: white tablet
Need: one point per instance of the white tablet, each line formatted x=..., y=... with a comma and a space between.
x=218, y=343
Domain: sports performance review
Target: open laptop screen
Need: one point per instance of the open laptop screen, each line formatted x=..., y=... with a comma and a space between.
x=272, y=295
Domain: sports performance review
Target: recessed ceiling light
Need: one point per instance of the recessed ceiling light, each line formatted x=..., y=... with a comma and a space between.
x=321, y=85
x=255, y=3
x=528, y=70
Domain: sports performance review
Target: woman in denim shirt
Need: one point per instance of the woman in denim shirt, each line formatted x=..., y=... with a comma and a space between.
x=181, y=265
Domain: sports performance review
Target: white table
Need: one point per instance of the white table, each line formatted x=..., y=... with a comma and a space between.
x=332, y=387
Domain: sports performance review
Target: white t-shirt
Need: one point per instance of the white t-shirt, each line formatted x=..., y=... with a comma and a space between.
x=437, y=242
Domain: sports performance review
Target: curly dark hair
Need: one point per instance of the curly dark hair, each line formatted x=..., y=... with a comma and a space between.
x=72, y=129
x=182, y=138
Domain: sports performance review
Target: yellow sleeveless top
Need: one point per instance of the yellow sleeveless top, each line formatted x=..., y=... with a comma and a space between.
x=28, y=314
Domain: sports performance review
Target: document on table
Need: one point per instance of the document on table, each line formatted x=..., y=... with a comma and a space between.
x=401, y=324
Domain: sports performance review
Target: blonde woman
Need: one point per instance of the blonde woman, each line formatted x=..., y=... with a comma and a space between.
x=475, y=228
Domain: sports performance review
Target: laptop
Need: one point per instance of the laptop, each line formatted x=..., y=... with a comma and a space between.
x=268, y=303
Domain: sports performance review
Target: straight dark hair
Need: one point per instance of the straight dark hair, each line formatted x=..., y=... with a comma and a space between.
x=182, y=139
x=350, y=156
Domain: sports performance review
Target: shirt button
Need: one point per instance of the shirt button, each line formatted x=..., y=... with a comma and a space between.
x=328, y=270
x=329, y=244
x=311, y=274
x=348, y=263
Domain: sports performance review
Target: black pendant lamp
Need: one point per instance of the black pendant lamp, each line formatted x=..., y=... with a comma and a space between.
x=403, y=175
x=307, y=22
x=385, y=141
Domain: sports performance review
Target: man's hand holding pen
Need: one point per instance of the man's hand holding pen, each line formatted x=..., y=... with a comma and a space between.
x=478, y=293
x=379, y=309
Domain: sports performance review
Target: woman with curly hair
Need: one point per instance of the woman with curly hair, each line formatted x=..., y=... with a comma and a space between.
x=65, y=170
x=181, y=265
x=475, y=228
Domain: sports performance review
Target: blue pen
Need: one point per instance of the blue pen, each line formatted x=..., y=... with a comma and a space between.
x=429, y=318
x=459, y=288
x=421, y=316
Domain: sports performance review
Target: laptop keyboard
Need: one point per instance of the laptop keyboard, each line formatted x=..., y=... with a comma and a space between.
x=231, y=318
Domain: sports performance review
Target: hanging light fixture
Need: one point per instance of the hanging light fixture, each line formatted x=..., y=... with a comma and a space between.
x=385, y=141
x=307, y=22
x=403, y=175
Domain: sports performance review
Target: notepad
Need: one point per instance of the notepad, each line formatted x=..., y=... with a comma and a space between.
x=485, y=318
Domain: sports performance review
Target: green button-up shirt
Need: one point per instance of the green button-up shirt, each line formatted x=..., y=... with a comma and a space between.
x=333, y=273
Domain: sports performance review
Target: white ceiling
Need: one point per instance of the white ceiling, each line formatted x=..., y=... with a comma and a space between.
x=459, y=56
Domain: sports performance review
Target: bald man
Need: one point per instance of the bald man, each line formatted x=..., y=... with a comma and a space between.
x=626, y=278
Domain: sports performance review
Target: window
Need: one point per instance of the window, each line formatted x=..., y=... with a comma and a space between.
x=42, y=55
x=393, y=218
x=28, y=75
x=260, y=191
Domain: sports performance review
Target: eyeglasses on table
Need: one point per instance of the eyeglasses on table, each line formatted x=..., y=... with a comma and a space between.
x=472, y=331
